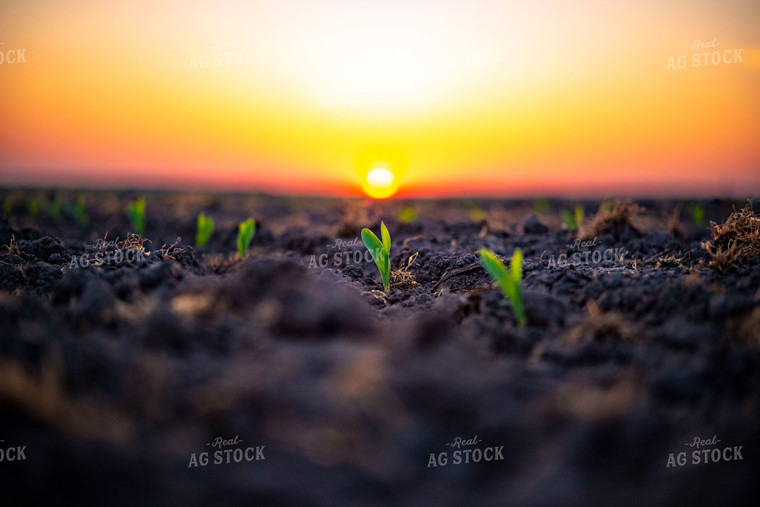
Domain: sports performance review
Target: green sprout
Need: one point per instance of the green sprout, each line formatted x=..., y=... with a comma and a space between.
x=510, y=282
x=698, y=214
x=54, y=208
x=541, y=206
x=136, y=212
x=33, y=207
x=477, y=214
x=204, y=231
x=579, y=215
x=408, y=215
x=380, y=251
x=474, y=211
x=575, y=221
x=246, y=230
x=7, y=204
x=77, y=211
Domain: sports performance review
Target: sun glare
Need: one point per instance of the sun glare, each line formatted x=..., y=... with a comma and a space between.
x=380, y=178
x=380, y=182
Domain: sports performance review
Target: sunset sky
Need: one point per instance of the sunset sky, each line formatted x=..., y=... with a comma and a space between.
x=457, y=98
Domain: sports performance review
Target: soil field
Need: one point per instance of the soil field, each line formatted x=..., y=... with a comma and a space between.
x=147, y=371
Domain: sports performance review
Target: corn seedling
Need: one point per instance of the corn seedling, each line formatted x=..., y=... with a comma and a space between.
x=474, y=211
x=77, y=211
x=7, y=204
x=136, y=212
x=510, y=282
x=579, y=215
x=380, y=251
x=246, y=230
x=698, y=214
x=54, y=208
x=33, y=207
x=477, y=215
x=408, y=215
x=541, y=206
x=204, y=230
x=575, y=221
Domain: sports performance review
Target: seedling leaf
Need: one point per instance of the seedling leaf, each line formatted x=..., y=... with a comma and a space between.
x=33, y=207
x=77, y=211
x=698, y=214
x=516, y=265
x=541, y=206
x=380, y=251
x=246, y=230
x=386, y=237
x=494, y=266
x=573, y=221
x=408, y=215
x=136, y=212
x=510, y=282
x=579, y=214
x=204, y=231
x=568, y=219
x=54, y=208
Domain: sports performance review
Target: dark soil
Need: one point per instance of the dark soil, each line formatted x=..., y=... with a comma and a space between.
x=114, y=376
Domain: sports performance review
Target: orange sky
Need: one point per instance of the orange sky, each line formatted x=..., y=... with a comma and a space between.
x=461, y=97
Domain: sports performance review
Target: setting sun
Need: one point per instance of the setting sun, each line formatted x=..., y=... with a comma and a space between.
x=380, y=181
